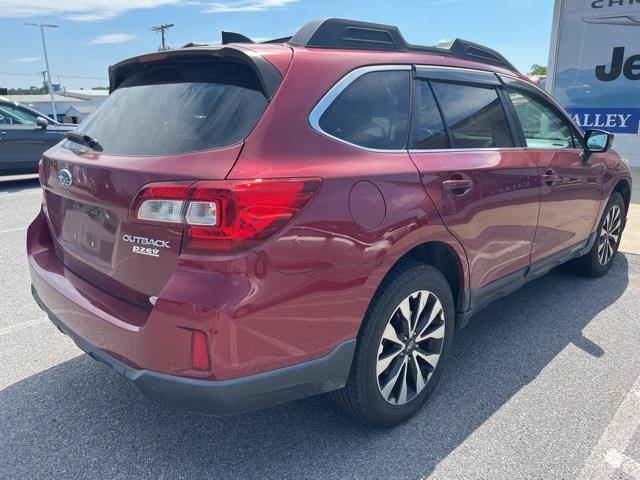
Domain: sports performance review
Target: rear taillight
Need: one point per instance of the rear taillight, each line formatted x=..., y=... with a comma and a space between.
x=40, y=171
x=224, y=215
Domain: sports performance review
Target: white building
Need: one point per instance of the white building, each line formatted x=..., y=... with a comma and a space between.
x=594, y=67
x=72, y=106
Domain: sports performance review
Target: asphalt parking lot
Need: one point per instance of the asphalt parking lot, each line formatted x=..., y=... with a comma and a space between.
x=544, y=384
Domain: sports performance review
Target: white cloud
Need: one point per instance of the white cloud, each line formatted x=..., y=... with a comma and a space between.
x=81, y=10
x=247, y=6
x=25, y=60
x=113, y=38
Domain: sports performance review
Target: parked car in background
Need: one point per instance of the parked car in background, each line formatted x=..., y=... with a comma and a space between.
x=25, y=134
x=318, y=213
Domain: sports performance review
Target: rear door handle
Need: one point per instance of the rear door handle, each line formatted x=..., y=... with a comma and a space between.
x=550, y=177
x=458, y=186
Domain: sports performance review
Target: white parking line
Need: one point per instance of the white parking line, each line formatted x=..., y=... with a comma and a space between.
x=20, y=194
x=13, y=229
x=621, y=462
x=606, y=458
x=21, y=326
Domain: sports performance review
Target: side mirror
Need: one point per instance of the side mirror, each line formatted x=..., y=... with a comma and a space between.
x=42, y=123
x=596, y=141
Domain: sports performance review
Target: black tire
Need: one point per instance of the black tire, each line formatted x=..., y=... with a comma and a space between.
x=362, y=397
x=590, y=265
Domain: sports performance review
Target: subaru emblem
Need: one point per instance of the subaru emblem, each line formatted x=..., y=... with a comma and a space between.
x=64, y=178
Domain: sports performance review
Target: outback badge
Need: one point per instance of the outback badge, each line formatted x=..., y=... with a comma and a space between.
x=146, y=246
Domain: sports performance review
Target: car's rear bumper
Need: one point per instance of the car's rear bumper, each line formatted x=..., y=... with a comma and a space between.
x=227, y=397
x=256, y=319
x=153, y=346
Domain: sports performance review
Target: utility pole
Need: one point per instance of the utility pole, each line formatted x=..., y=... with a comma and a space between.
x=162, y=28
x=46, y=62
x=44, y=81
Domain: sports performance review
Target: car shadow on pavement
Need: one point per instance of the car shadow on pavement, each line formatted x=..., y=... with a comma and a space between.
x=13, y=184
x=78, y=419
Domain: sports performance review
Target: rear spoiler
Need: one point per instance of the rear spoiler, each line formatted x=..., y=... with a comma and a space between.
x=234, y=37
x=268, y=75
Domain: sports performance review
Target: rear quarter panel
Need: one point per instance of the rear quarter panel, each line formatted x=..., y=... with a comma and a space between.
x=308, y=288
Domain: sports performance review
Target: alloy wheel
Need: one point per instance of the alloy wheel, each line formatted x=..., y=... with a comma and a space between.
x=410, y=347
x=609, y=235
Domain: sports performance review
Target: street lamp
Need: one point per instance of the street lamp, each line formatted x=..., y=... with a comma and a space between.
x=46, y=62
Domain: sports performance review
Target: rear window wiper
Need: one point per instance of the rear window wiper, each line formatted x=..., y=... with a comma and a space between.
x=84, y=139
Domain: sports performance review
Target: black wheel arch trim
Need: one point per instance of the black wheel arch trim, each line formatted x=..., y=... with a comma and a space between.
x=477, y=299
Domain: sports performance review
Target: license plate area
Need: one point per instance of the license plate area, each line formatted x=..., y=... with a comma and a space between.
x=89, y=230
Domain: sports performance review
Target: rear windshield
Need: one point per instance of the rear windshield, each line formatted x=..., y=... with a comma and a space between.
x=176, y=108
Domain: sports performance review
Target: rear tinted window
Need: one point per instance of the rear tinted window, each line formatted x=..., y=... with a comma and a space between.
x=474, y=116
x=372, y=112
x=177, y=108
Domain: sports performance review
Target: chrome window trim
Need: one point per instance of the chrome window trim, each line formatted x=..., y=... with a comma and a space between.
x=490, y=149
x=349, y=78
x=338, y=88
x=458, y=150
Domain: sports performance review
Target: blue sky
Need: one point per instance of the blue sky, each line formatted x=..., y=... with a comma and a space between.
x=93, y=34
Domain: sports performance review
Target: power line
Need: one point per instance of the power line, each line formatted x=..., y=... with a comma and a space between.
x=17, y=74
x=83, y=78
x=162, y=28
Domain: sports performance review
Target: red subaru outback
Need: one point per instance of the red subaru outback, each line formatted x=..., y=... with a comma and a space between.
x=246, y=224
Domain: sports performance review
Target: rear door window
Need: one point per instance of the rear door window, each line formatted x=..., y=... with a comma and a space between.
x=372, y=112
x=431, y=133
x=474, y=116
x=177, y=108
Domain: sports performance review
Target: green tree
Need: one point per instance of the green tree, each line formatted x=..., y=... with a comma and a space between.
x=27, y=91
x=538, y=69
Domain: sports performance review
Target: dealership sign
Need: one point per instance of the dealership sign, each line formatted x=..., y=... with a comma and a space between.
x=595, y=63
x=619, y=120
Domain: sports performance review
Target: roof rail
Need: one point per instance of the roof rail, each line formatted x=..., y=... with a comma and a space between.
x=479, y=53
x=355, y=35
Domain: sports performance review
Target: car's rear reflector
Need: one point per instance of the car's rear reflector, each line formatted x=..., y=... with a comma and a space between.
x=199, y=351
x=224, y=215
